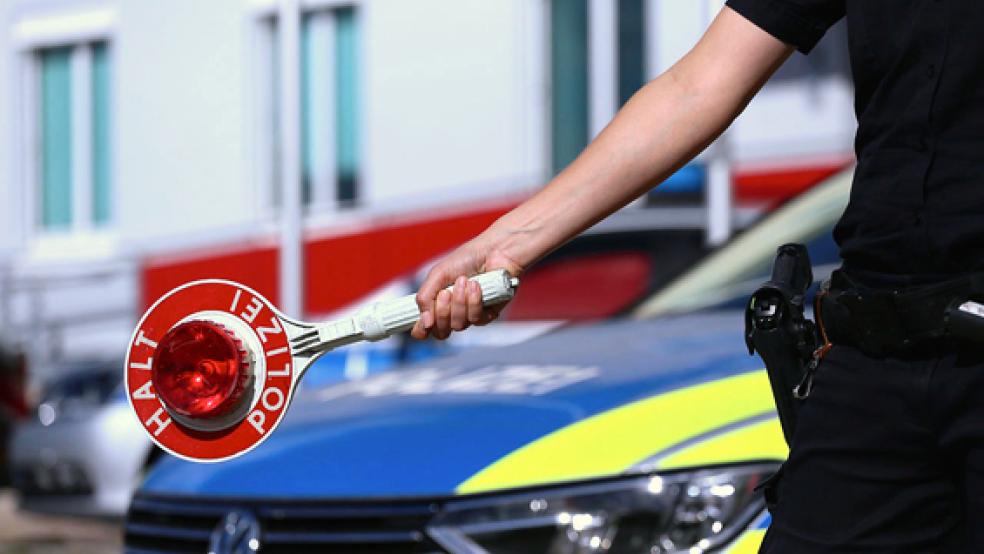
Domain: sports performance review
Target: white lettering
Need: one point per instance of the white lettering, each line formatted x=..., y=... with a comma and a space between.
x=257, y=418
x=277, y=351
x=145, y=365
x=161, y=422
x=142, y=339
x=143, y=392
x=424, y=382
x=235, y=300
x=570, y=375
x=475, y=382
x=252, y=309
x=285, y=372
x=530, y=380
x=521, y=379
x=275, y=329
x=279, y=402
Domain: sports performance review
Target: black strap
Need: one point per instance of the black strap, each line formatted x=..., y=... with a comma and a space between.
x=885, y=321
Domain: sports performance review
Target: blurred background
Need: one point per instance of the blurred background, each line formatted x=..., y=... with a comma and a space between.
x=324, y=152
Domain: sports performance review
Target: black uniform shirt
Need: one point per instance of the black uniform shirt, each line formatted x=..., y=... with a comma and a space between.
x=917, y=203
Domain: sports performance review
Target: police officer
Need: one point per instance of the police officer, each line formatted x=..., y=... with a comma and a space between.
x=888, y=453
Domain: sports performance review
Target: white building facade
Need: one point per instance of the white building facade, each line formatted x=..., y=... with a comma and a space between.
x=149, y=142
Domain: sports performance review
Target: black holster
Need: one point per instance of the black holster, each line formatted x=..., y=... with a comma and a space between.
x=777, y=329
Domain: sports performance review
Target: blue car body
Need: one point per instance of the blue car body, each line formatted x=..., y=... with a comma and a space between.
x=380, y=460
x=580, y=404
x=420, y=431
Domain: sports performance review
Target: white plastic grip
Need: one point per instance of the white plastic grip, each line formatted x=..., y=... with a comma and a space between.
x=388, y=317
x=497, y=286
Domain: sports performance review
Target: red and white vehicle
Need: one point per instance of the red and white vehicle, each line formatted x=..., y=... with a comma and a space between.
x=362, y=137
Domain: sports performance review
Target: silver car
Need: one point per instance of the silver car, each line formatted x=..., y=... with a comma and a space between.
x=82, y=453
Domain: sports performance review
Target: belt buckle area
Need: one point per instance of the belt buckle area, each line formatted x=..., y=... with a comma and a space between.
x=876, y=321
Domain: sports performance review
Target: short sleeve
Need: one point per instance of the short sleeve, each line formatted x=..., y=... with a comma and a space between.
x=800, y=23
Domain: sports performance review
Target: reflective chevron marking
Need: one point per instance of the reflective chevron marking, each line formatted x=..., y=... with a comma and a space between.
x=614, y=441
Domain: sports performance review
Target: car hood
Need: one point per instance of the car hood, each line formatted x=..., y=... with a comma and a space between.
x=582, y=402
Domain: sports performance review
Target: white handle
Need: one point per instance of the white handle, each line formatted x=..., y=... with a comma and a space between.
x=388, y=317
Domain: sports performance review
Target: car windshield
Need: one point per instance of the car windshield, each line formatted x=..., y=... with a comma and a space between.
x=730, y=274
x=85, y=383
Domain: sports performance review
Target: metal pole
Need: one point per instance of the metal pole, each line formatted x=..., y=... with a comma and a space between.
x=719, y=197
x=291, y=216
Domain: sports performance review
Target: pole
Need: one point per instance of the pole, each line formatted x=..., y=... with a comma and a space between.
x=291, y=216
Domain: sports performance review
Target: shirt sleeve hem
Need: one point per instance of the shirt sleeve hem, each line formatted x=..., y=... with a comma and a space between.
x=781, y=21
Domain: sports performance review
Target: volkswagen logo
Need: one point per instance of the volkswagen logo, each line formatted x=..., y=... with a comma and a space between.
x=237, y=533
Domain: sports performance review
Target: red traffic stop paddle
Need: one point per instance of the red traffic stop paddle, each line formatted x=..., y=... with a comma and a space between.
x=212, y=365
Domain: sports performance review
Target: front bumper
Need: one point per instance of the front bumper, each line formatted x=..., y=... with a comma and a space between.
x=85, y=467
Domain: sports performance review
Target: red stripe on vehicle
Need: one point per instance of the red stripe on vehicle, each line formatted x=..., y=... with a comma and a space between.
x=347, y=264
x=343, y=269
x=589, y=287
x=339, y=269
x=774, y=186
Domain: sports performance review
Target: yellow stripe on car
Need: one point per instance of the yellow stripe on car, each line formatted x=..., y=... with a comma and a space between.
x=758, y=441
x=611, y=442
x=748, y=543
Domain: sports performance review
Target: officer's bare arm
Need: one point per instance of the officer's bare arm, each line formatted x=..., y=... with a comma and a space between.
x=662, y=127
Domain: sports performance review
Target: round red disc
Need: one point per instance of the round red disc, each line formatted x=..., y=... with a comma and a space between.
x=261, y=319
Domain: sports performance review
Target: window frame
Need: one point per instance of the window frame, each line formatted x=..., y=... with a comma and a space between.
x=266, y=166
x=36, y=30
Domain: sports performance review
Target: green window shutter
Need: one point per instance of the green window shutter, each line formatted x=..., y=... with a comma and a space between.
x=56, y=138
x=101, y=145
x=569, y=80
x=308, y=139
x=347, y=103
x=631, y=48
x=340, y=75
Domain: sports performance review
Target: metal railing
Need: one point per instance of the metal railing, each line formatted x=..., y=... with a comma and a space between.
x=54, y=314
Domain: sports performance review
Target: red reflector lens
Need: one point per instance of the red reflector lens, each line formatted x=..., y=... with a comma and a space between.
x=200, y=369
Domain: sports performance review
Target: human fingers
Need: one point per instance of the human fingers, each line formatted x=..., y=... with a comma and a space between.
x=459, y=306
x=474, y=302
x=442, y=315
x=490, y=314
x=423, y=326
x=437, y=278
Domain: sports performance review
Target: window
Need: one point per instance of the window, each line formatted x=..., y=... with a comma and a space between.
x=100, y=134
x=571, y=55
x=74, y=158
x=569, y=80
x=56, y=138
x=631, y=48
x=329, y=108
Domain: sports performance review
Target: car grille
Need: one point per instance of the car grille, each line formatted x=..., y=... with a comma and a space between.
x=58, y=479
x=178, y=525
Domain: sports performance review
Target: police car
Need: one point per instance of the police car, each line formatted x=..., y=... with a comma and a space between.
x=646, y=435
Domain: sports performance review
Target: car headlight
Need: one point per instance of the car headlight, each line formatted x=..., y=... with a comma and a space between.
x=649, y=514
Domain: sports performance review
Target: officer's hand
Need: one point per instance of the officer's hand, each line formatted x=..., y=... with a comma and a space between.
x=441, y=311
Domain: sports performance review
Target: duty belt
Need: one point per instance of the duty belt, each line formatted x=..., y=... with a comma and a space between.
x=884, y=322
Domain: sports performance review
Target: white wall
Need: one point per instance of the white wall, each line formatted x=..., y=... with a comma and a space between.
x=7, y=224
x=788, y=120
x=449, y=97
x=183, y=134
x=454, y=107
x=450, y=102
x=797, y=119
x=680, y=26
